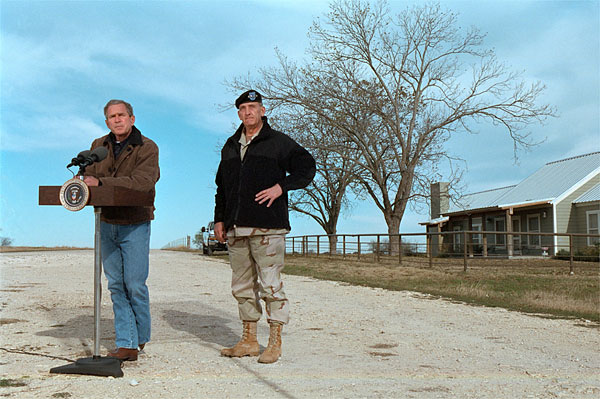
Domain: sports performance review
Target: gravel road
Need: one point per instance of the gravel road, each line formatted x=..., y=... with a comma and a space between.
x=342, y=342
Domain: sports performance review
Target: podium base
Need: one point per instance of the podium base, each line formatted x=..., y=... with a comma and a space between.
x=101, y=366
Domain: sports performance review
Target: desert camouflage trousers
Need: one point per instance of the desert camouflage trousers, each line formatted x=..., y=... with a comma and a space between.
x=256, y=263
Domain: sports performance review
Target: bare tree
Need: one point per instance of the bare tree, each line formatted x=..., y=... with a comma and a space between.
x=325, y=198
x=398, y=88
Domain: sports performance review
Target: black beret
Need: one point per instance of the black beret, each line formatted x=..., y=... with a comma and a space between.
x=248, y=97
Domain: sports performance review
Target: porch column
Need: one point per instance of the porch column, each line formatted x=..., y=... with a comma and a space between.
x=509, y=237
x=440, y=239
x=483, y=235
x=469, y=237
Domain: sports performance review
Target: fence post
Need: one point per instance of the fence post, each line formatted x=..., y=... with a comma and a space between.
x=358, y=243
x=303, y=245
x=399, y=249
x=428, y=249
x=344, y=247
x=485, y=247
x=465, y=250
x=318, y=245
x=571, y=254
x=470, y=248
x=378, y=248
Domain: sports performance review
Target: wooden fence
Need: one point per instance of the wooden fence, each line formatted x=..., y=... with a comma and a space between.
x=468, y=245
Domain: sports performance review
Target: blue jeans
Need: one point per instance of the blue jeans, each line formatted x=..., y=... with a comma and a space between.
x=125, y=257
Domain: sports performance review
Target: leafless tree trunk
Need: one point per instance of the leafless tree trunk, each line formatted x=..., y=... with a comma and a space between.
x=325, y=198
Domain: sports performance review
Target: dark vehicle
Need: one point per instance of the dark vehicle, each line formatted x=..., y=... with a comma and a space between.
x=209, y=240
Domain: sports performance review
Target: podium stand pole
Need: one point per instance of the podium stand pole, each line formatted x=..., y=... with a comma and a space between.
x=95, y=365
x=97, y=280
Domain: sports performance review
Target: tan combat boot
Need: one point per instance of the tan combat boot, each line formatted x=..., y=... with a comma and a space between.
x=273, y=351
x=248, y=345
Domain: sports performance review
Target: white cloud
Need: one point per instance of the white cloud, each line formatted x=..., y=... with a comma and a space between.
x=55, y=80
x=47, y=132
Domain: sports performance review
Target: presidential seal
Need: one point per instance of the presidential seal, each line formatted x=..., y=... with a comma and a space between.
x=74, y=194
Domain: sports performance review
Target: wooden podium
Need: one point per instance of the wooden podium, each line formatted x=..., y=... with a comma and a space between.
x=103, y=196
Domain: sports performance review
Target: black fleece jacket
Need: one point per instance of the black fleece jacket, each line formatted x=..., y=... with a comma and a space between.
x=271, y=158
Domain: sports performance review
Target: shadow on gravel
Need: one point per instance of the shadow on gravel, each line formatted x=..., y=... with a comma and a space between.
x=208, y=328
x=81, y=328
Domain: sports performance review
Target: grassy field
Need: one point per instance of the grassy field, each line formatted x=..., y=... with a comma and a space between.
x=541, y=286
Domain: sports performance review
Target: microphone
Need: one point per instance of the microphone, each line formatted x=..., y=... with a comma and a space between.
x=79, y=159
x=96, y=155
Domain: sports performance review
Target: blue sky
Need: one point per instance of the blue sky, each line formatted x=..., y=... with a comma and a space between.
x=61, y=62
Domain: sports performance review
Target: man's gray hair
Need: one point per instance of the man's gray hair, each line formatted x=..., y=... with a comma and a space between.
x=115, y=102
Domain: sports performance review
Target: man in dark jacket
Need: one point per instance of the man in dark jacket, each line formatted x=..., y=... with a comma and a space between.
x=132, y=162
x=258, y=167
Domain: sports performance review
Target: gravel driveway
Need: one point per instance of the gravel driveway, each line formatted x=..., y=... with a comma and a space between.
x=342, y=342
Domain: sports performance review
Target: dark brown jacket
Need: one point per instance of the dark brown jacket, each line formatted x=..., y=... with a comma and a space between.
x=136, y=168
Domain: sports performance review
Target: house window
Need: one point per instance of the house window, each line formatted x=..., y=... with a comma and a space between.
x=499, y=226
x=533, y=226
x=593, y=221
x=458, y=238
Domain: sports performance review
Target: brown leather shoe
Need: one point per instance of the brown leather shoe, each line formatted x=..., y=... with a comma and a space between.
x=124, y=354
x=141, y=347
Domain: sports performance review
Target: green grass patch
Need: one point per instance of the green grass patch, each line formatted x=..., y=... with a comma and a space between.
x=61, y=395
x=528, y=285
x=8, y=382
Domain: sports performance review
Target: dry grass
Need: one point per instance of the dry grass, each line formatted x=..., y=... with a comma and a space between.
x=30, y=249
x=182, y=249
x=529, y=285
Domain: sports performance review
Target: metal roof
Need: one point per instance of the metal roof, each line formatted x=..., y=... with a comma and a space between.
x=482, y=199
x=552, y=180
x=436, y=221
x=593, y=194
x=545, y=185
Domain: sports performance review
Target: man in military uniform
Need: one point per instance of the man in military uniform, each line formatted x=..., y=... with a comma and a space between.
x=258, y=167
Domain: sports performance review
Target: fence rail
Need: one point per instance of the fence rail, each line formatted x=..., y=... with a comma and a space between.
x=468, y=245
x=183, y=242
